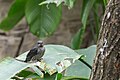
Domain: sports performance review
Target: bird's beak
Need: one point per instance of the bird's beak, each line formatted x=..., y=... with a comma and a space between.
x=40, y=45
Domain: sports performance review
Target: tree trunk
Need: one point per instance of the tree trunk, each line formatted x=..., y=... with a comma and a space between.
x=107, y=61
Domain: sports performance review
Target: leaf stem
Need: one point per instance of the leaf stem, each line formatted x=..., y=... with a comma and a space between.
x=73, y=77
x=85, y=63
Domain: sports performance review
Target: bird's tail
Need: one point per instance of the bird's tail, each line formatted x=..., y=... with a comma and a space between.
x=20, y=60
x=27, y=59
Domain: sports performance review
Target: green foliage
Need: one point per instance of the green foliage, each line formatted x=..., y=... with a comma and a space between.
x=43, y=17
x=69, y=3
x=79, y=69
x=59, y=76
x=76, y=41
x=9, y=67
x=15, y=14
x=43, y=20
x=89, y=54
x=87, y=6
x=105, y=2
x=56, y=59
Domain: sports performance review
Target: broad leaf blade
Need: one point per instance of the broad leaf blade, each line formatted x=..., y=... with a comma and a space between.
x=56, y=59
x=78, y=69
x=9, y=67
x=15, y=14
x=42, y=19
x=89, y=53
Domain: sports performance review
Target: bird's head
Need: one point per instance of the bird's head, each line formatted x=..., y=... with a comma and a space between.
x=40, y=43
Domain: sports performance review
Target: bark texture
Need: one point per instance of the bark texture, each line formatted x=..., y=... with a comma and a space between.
x=107, y=61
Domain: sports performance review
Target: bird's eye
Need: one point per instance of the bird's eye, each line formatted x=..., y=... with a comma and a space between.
x=39, y=42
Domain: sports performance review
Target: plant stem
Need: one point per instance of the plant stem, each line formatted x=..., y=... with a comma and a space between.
x=85, y=63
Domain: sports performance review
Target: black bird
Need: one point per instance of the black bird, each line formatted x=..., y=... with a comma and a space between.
x=36, y=52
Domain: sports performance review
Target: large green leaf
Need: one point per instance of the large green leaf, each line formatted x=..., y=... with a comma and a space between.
x=9, y=67
x=79, y=69
x=69, y=3
x=15, y=14
x=85, y=14
x=56, y=59
x=42, y=19
x=89, y=53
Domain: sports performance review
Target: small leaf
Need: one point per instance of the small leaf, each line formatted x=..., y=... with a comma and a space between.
x=24, y=73
x=42, y=19
x=69, y=3
x=15, y=14
x=58, y=76
x=57, y=2
x=48, y=77
x=37, y=71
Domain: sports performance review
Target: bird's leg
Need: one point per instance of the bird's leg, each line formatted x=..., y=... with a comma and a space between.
x=39, y=59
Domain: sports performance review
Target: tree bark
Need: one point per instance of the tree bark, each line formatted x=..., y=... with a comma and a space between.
x=107, y=61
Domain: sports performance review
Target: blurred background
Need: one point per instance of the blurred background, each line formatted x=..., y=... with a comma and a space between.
x=19, y=39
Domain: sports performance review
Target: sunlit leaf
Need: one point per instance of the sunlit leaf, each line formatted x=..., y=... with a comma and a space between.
x=89, y=53
x=79, y=69
x=9, y=67
x=56, y=59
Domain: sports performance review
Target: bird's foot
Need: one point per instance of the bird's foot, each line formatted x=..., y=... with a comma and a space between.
x=40, y=59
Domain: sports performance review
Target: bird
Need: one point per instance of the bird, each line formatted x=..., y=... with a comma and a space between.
x=36, y=53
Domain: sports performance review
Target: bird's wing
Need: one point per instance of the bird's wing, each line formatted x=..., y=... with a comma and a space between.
x=32, y=53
